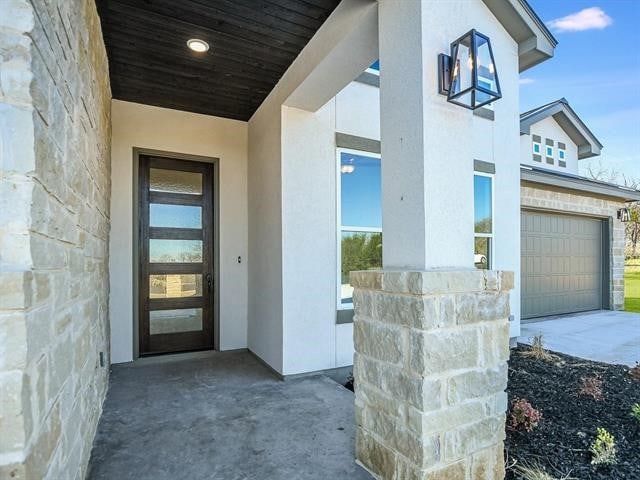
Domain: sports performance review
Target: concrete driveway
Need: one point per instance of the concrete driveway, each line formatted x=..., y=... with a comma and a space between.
x=603, y=336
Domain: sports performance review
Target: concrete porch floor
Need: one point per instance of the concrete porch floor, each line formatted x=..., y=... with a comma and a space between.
x=603, y=335
x=222, y=416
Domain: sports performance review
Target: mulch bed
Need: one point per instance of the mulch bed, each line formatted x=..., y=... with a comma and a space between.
x=561, y=441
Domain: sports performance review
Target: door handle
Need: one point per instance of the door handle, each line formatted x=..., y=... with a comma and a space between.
x=209, y=279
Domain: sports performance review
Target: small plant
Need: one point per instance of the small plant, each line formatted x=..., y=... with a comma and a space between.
x=533, y=471
x=603, y=448
x=592, y=387
x=635, y=372
x=538, y=351
x=635, y=411
x=523, y=415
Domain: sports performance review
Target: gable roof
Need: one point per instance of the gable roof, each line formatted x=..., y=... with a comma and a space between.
x=587, y=143
x=535, y=42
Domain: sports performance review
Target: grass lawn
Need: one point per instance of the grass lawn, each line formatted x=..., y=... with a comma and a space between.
x=632, y=285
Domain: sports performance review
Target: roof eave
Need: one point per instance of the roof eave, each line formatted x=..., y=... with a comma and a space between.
x=579, y=184
x=535, y=42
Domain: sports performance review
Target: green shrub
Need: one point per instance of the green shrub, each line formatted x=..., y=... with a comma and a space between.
x=603, y=448
x=635, y=411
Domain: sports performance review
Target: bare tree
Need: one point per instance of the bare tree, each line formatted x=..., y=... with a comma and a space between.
x=597, y=171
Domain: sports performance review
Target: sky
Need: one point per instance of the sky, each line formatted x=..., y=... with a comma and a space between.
x=596, y=67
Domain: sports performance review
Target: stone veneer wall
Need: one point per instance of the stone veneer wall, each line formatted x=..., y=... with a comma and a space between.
x=54, y=227
x=430, y=373
x=548, y=198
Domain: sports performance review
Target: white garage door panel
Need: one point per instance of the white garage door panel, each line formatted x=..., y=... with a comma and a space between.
x=561, y=264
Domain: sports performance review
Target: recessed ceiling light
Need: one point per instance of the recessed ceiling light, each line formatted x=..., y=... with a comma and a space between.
x=198, y=45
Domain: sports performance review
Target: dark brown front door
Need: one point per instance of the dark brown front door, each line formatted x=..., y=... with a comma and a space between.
x=176, y=255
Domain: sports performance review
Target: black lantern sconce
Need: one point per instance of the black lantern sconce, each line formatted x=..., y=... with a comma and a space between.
x=468, y=77
x=624, y=215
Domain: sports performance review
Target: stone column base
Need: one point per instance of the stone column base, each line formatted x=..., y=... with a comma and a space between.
x=430, y=373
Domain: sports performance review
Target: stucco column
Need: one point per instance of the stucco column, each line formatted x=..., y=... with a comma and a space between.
x=427, y=167
x=431, y=332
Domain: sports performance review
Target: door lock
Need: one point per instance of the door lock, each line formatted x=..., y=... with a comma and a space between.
x=208, y=277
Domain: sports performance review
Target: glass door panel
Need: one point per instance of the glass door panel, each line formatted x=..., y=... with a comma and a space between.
x=175, y=181
x=174, y=321
x=175, y=216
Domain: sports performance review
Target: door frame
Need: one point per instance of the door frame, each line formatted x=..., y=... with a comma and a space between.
x=137, y=151
x=606, y=223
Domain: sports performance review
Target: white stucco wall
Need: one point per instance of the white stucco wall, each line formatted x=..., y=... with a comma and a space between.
x=265, y=199
x=309, y=239
x=291, y=185
x=148, y=127
x=549, y=128
x=358, y=110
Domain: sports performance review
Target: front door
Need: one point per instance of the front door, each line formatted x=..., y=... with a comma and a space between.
x=176, y=255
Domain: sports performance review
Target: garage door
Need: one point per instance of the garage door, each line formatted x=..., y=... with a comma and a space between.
x=561, y=264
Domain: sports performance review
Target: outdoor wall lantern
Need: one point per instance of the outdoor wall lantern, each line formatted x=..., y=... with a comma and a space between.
x=624, y=215
x=468, y=77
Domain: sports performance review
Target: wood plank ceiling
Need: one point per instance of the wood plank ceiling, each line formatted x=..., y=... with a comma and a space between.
x=252, y=43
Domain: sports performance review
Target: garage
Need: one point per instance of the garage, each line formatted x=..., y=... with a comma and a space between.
x=563, y=267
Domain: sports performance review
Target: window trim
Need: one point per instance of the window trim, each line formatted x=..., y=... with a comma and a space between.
x=533, y=148
x=562, y=154
x=492, y=235
x=346, y=228
x=546, y=151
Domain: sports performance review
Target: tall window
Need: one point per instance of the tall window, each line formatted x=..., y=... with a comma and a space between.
x=359, y=217
x=483, y=212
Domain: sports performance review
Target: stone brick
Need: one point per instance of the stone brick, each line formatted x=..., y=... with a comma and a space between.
x=409, y=310
x=37, y=462
x=481, y=307
x=414, y=390
x=16, y=290
x=476, y=384
x=488, y=464
x=494, y=343
x=375, y=398
x=369, y=280
x=13, y=341
x=13, y=437
x=463, y=441
x=420, y=450
x=433, y=421
x=374, y=456
x=441, y=350
x=454, y=471
x=379, y=341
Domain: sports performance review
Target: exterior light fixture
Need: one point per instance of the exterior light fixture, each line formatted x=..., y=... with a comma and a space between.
x=468, y=77
x=197, y=45
x=624, y=215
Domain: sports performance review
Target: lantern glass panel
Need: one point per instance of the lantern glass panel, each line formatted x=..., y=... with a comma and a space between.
x=462, y=67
